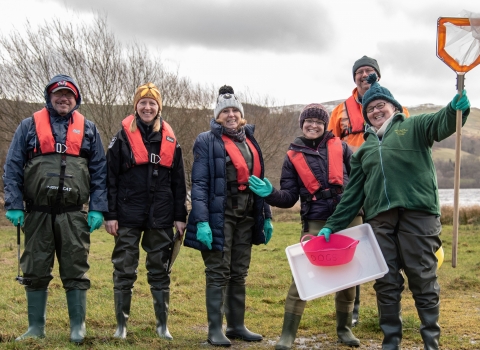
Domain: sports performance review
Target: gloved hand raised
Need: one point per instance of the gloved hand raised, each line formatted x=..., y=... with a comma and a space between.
x=461, y=103
x=16, y=216
x=325, y=232
x=260, y=187
x=204, y=234
x=268, y=229
x=94, y=220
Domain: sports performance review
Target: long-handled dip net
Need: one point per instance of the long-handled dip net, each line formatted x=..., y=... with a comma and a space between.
x=458, y=46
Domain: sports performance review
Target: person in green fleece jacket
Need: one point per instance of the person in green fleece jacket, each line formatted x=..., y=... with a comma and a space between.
x=393, y=177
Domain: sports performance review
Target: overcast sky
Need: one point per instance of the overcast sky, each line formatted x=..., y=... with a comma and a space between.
x=296, y=51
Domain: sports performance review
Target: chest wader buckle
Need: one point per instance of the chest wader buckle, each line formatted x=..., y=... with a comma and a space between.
x=154, y=158
x=60, y=148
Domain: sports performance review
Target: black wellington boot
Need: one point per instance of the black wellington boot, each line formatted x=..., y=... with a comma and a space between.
x=430, y=329
x=122, y=299
x=215, y=298
x=77, y=309
x=161, y=300
x=356, y=307
x=289, y=331
x=37, y=305
x=235, y=314
x=390, y=319
x=344, y=329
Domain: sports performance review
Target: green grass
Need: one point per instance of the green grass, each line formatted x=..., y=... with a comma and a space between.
x=267, y=284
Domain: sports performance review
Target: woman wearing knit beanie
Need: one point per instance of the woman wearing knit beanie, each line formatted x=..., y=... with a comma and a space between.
x=316, y=171
x=226, y=217
x=146, y=194
x=394, y=179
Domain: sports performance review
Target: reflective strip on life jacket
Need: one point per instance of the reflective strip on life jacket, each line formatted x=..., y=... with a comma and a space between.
x=239, y=162
x=140, y=153
x=75, y=133
x=354, y=115
x=335, y=166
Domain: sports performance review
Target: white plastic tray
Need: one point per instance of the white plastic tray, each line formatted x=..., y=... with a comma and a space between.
x=313, y=281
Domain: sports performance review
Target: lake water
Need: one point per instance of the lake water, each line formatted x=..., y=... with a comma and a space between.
x=468, y=196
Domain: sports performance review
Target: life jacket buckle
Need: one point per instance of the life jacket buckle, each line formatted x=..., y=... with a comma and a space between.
x=60, y=148
x=154, y=158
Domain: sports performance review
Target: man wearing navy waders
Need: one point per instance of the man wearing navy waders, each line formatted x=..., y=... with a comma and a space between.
x=55, y=165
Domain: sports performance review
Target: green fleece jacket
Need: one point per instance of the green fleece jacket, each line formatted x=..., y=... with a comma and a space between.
x=396, y=171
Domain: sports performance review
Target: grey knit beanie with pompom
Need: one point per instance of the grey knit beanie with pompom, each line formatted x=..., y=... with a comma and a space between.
x=226, y=98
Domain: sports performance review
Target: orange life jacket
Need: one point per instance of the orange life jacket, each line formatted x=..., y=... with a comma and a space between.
x=140, y=153
x=354, y=114
x=239, y=162
x=335, y=166
x=75, y=133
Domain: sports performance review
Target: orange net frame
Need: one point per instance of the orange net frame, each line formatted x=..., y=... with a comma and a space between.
x=458, y=41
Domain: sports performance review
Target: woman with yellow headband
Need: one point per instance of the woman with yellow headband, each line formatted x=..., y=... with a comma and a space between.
x=146, y=194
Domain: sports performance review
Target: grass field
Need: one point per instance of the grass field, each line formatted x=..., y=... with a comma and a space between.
x=267, y=286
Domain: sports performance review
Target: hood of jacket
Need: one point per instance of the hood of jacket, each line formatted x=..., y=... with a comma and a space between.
x=48, y=102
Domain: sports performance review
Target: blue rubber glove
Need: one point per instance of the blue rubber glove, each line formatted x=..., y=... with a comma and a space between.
x=461, y=103
x=325, y=232
x=260, y=187
x=204, y=234
x=94, y=220
x=268, y=229
x=15, y=216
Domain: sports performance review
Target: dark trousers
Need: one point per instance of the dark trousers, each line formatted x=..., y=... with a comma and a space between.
x=126, y=253
x=231, y=266
x=408, y=240
x=65, y=235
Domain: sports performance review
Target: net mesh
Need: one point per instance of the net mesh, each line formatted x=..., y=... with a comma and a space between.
x=463, y=42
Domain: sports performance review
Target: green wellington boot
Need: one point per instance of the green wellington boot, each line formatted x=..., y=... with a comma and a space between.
x=161, y=300
x=122, y=300
x=235, y=315
x=289, y=331
x=37, y=305
x=430, y=329
x=390, y=320
x=344, y=329
x=215, y=297
x=77, y=309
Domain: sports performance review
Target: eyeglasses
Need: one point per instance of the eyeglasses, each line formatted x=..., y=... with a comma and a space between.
x=67, y=94
x=378, y=106
x=314, y=122
x=365, y=71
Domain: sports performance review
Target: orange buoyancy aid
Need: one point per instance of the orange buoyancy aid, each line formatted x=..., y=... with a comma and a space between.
x=354, y=115
x=75, y=134
x=335, y=166
x=140, y=153
x=239, y=162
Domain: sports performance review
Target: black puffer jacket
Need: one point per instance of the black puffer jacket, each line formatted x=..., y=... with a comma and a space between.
x=292, y=187
x=129, y=199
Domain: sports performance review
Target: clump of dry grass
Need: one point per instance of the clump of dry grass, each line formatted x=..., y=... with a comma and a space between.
x=467, y=215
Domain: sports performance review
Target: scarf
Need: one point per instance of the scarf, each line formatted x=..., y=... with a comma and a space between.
x=236, y=134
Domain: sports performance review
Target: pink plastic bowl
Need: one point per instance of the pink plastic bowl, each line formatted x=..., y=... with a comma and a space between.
x=338, y=251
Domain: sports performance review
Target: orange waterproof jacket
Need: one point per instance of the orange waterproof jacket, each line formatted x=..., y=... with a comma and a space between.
x=344, y=123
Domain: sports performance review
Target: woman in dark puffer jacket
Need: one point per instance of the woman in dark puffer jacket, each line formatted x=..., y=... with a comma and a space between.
x=316, y=170
x=226, y=217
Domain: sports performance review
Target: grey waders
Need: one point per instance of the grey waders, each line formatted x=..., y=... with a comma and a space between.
x=235, y=314
x=390, y=319
x=37, y=305
x=161, y=301
x=344, y=329
x=77, y=309
x=289, y=331
x=122, y=299
x=215, y=297
x=430, y=329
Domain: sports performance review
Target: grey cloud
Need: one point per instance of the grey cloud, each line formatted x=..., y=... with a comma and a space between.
x=279, y=26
